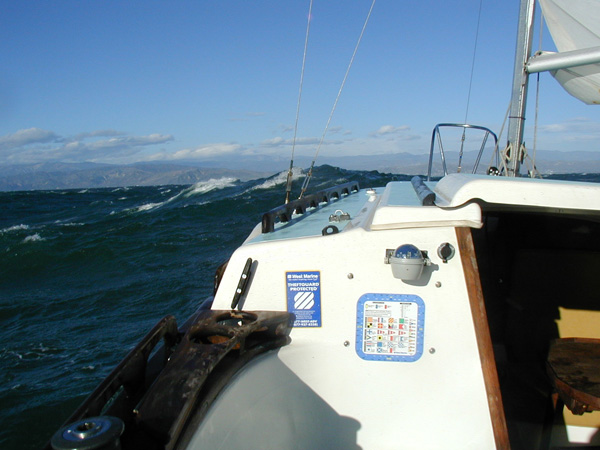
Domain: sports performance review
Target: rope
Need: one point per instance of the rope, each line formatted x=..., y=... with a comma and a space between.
x=309, y=175
x=507, y=155
x=464, y=133
x=473, y=60
x=288, y=189
x=460, y=154
x=496, y=152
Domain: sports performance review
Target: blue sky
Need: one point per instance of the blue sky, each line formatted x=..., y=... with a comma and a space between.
x=120, y=82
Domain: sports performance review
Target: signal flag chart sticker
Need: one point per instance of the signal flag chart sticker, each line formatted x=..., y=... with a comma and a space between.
x=304, y=298
x=390, y=327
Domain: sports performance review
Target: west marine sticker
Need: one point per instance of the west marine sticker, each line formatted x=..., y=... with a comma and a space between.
x=304, y=298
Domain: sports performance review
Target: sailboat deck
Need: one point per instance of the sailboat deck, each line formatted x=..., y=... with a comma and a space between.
x=396, y=206
x=458, y=189
x=458, y=200
x=312, y=222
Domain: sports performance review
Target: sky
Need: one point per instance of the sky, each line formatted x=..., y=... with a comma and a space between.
x=122, y=82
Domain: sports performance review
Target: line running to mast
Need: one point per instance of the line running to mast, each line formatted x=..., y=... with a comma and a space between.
x=473, y=59
x=462, y=141
x=310, y=171
x=288, y=188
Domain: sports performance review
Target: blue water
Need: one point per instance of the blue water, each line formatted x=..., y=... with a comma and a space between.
x=84, y=274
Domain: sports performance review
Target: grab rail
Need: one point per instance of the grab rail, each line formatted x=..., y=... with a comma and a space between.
x=464, y=126
x=299, y=206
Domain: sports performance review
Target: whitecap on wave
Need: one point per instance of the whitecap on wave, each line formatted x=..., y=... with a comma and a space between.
x=209, y=185
x=280, y=178
x=33, y=238
x=15, y=228
x=148, y=206
x=201, y=187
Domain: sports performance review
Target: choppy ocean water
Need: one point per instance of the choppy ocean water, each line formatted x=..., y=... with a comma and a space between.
x=84, y=274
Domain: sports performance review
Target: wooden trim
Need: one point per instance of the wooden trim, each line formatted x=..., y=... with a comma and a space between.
x=482, y=333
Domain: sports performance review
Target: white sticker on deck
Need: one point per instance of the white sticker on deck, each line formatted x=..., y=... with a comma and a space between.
x=304, y=297
x=390, y=327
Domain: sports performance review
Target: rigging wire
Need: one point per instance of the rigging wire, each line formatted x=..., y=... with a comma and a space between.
x=473, y=59
x=288, y=189
x=462, y=141
x=310, y=171
x=496, y=152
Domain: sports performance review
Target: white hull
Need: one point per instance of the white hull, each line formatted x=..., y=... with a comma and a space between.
x=320, y=391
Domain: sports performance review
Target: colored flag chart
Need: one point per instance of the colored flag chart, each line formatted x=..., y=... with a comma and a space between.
x=390, y=327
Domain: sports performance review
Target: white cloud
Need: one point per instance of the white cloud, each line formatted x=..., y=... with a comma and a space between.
x=115, y=147
x=279, y=141
x=22, y=138
x=206, y=151
x=98, y=133
x=273, y=142
x=553, y=128
x=389, y=129
x=37, y=145
x=112, y=146
x=574, y=134
x=576, y=125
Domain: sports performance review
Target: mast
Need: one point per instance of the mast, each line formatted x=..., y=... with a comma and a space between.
x=516, y=124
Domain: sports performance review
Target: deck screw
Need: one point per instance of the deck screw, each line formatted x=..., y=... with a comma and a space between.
x=438, y=284
x=346, y=343
x=350, y=276
x=432, y=350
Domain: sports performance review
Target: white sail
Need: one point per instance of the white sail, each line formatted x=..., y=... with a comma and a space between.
x=575, y=25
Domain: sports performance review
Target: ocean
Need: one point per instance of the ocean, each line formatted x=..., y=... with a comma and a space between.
x=86, y=273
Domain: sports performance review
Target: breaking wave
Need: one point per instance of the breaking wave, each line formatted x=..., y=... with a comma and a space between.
x=33, y=238
x=210, y=185
x=197, y=189
x=15, y=228
x=280, y=178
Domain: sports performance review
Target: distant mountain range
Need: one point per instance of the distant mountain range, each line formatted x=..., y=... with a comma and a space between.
x=50, y=176
x=548, y=162
x=90, y=175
